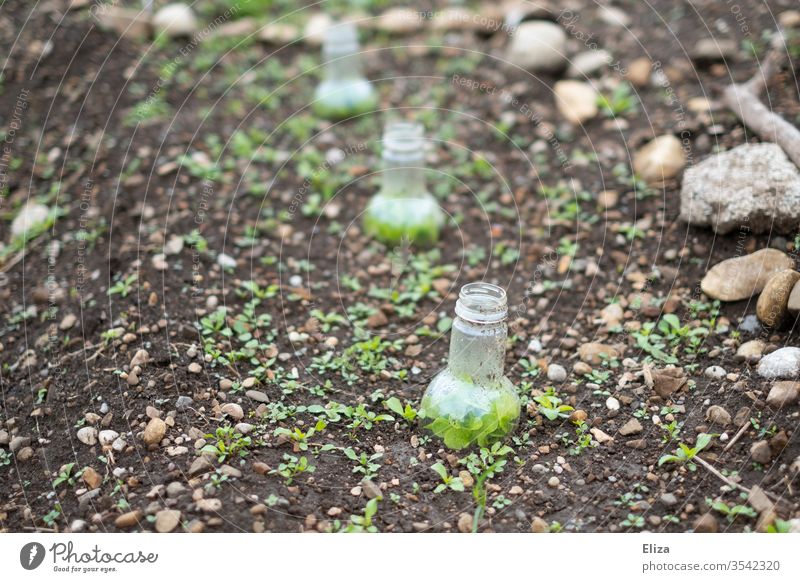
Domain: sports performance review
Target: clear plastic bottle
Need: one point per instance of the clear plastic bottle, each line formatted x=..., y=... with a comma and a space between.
x=344, y=91
x=403, y=209
x=472, y=402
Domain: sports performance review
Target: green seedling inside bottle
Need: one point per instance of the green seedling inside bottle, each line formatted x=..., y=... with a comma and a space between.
x=403, y=210
x=472, y=402
x=343, y=92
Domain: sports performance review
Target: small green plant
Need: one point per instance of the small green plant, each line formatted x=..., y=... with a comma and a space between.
x=621, y=101
x=633, y=520
x=298, y=437
x=291, y=467
x=550, y=406
x=779, y=525
x=229, y=444
x=448, y=481
x=328, y=321
x=5, y=458
x=483, y=466
x=583, y=439
x=217, y=479
x=66, y=475
x=671, y=431
x=123, y=286
x=365, y=464
x=362, y=523
x=684, y=454
x=731, y=512
x=408, y=412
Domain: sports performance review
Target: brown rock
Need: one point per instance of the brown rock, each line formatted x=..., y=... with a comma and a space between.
x=773, y=302
x=377, y=319
x=668, y=381
x=465, y=523
x=639, y=71
x=199, y=466
x=633, y=426
x=718, y=415
x=661, y=159
x=783, y=393
x=760, y=452
x=794, y=298
x=154, y=431
x=167, y=520
x=129, y=519
x=742, y=277
x=600, y=436
x=538, y=525
x=706, y=523
x=92, y=478
x=595, y=353
x=638, y=444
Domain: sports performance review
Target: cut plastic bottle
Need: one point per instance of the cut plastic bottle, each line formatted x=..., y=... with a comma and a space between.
x=472, y=402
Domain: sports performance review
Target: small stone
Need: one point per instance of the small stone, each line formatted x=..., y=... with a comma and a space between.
x=175, y=20
x=600, y=436
x=538, y=46
x=612, y=315
x=226, y=261
x=783, y=363
x=167, y=520
x=638, y=444
x=199, y=466
x=538, y=525
x=371, y=490
x=175, y=489
x=92, y=478
x=140, y=358
x=773, y=303
x=711, y=50
x=183, y=402
x=377, y=319
x=715, y=372
x=128, y=519
x=466, y=478
x=576, y=101
x=668, y=499
x=233, y=410
x=760, y=452
x=556, y=373
x=465, y=523
x=257, y=395
x=783, y=394
x=195, y=368
x=595, y=353
x=31, y=216
x=751, y=351
x=18, y=443
x=794, y=298
x=68, y=322
x=587, y=63
x=706, y=523
x=718, y=415
x=639, y=71
x=154, y=431
x=633, y=426
x=87, y=435
x=661, y=159
x=209, y=505
x=612, y=403
x=578, y=416
x=553, y=482
x=742, y=277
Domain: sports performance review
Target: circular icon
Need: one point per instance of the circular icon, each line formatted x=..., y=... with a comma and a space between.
x=31, y=555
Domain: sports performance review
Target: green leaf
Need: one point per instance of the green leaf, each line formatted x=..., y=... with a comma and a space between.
x=703, y=440
x=456, y=484
x=440, y=470
x=394, y=405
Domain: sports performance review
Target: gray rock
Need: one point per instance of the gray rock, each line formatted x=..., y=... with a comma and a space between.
x=18, y=443
x=87, y=435
x=257, y=395
x=587, y=63
x=715, y=372
x=183, y=402
x=556, y=373
x=750, y=324
x=782, y=363
x=538, y=46
x=31, y=216
x=669, y=499
x=753, y=186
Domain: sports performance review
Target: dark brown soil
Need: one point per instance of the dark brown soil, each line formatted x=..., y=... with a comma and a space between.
x=113, y=182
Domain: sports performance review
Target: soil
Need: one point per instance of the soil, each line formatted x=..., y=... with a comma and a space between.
x=292, y=223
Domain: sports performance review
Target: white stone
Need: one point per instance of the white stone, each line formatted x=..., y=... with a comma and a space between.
x=576, y=101
x=782, y=363
x=175, y=20
x=31, y=216
x=539, y=46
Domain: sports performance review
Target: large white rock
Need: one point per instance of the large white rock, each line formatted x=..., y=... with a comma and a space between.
x=175, y=20
x=539, y=46
x=782, y=363
x=29, y=217
x=752, y=186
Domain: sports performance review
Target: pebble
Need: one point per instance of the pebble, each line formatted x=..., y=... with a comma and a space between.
x=794, y=298
x=639, y=72
x=553, y=482
x=226, y=261
x=19, y=442
x=612, y=403
x=68, y=322
x=154, y=431
x=465, y=523
x=128, y=519
x=371, y=489
x=199, y=466
x=633, y=426
x=257, y=395
x=587, y=63
x=760, y=452
x=710, y=50
x=107, y=437
x=87, y=435
x=195, y=368
x=175, y=20
x=183, y=402
x=706, y=523
x=750, y=324
x=175, y=489
x=167, y=520
x=28, y=218
x=233, y=410
x=751, y=351
x=538, y=525
x=668, y=499
x=556, y=373
x=576, y=101
x=783, y=394
x=715, y=372
x=718, y=415
x=783, y=363
x=538, y=46
x=773, y=303
x=661, y=159
x=594, y=352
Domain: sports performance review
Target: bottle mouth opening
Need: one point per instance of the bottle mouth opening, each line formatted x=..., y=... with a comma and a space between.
x=482, y=303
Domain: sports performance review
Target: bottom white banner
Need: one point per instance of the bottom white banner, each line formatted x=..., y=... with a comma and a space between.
x=333, y=557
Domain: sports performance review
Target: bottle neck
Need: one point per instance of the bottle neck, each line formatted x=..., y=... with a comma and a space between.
x=342, y=66
x=477, y=351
